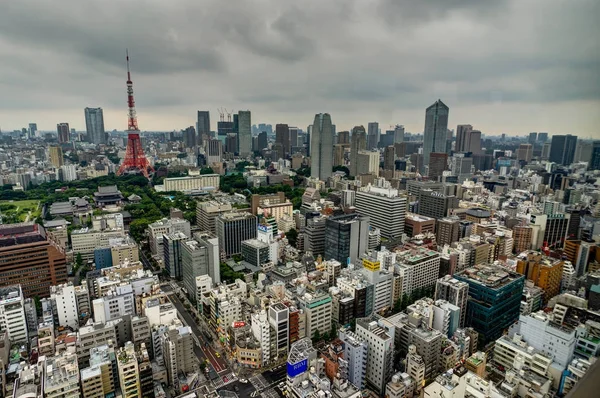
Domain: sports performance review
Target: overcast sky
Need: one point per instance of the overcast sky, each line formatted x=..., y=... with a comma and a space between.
x=510, y=66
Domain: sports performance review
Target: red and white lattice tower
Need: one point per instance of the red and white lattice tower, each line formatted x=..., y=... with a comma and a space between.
x=135, y=159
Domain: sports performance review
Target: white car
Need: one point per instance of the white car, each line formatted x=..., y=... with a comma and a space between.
x=243, y=381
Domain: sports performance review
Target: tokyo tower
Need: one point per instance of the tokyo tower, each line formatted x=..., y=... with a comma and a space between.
x=135, y=159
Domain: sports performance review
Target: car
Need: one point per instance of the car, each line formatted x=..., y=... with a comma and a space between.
x=243, y=381
x=218, y=355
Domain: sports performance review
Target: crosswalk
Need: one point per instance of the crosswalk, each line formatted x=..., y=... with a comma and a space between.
x=224, y=379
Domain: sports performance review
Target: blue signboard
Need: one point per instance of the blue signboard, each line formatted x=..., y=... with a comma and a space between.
x=263, y=228
x=294, y=370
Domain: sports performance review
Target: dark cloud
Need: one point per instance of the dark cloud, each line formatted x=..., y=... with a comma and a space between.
x=286, y=60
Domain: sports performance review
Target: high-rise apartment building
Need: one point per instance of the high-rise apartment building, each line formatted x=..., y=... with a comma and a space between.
x=447, y=231
x=56, y=156
x=63, y=132
x=32, y=130
x=129, y=376
x=203, y=126
x=172, y=252
x=343, y=137
x=398, y=134
x=30, y=259
x=380, y=356
x=178, y=353
x=525, y=152
x=279, y=321
x=455, y=292
x=463, y=137
x=436, y=130
x=359, y=143
x=244, y=133
x=94, y=125
x=12, y=314
x=321, y=147
x=385, y=207
x=317, y=307
x=389, y=157
x=544, y=272
x=421, y=268
x=189, y=137
x=373, y=135
x=214, y=151
x=233, y=228
x=562, y=149
x=494, y=299
x=356, y=353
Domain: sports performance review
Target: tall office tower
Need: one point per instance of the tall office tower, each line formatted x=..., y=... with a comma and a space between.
x=583, y=151
x=546, y=151
x=12, y=314
x=595, y=161
x=56, y=156
x=420, y=267
x=172, y=253
x=338, y=155
x=475, y=142
x=556, y=229
x=532, y=138
x=231, y=143
x=282, y=137
x=525, y=152
x=447, y=231
x=542, y=137
x=522, y=235
x=373, y=135
x=189, y=137
x=494, y=299
x=463, y=137
x=214, y=151
x=562, y=149
x=200, y=256
x=437, y=164
x=294, y=132
x=32, y=130
x=460, y=165
x=203, y=127
x=386, y=209
x=233, y=228
x=428, y=345
x=435, y=204
x=455, y=292
x=63, y=132
x=380, y=355
x=129, y=375
x=343, y=137
x=346, y=237
x=359, y=143
x=398, y=134
x=30, y=259
x=262, y=141
x=436, y=130
x=321, y=147
x=207, y=213
x=356, y=353
x=389, y=157
x=368, y=163
x=94, y=125
x=244, y=133
x=314, y=235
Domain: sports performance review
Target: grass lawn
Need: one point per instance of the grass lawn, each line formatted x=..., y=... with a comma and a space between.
x=17, y=211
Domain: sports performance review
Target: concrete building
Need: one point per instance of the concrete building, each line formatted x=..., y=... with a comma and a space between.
x=435, y=204
x=317, y=308
x=428, y=345
x=200, y=256
x=454, y=292
x=202, y=182
x=207, y=213
x=279, y=321
x=56, y=156
x=386, y=209
x=421, y=268
x=262, y=333
x=178, y=353
x=380, y=355
x=367, y=162
x=356, y=354
x=358, y=144
x=12, y=314
x=61, y=376
x=129, y=375
x=436, y=130
x=447, y=231
x=244, y=133
x=544, y=272
x=165, y=226
x=72, y=304
x=94, y=126
x=173, y=253
x=415, y=224
x=119, y=301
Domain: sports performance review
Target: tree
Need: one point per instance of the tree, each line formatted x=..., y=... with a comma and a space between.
x=292, y=236
x=78, y=260
x=316, y=336
x=333, y=332
x=206, y=170
x=342, y=168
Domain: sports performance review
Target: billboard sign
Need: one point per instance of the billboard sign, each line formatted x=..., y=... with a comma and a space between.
x=263, y=228
x=295, y=369
x=238, y=324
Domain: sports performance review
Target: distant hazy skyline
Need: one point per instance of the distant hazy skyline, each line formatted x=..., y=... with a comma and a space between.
x=505, y=66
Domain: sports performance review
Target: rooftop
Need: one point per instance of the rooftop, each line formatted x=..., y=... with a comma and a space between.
x=492, y=276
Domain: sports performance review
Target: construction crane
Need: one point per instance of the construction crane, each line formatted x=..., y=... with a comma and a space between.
x=221, y=114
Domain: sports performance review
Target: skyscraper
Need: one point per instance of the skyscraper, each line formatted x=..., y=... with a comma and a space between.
x=595, y=162
x=244, y=133
x=562, y=149
x=542, y=137
x=282, y=137
x=262, y=141
x=532, y=138
x=463, y=137
x=56, y=156
x=346, y=237
x=398, y=134
x=203, y=126
x=321, y=147
x=189, y=137
x=373, y=137
x=94, y=125
x=475, y=142
x=389, y=157
x=32, y=130
x=63, y=132
x=436, y=130
x=437, y=165
x=359, y=143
